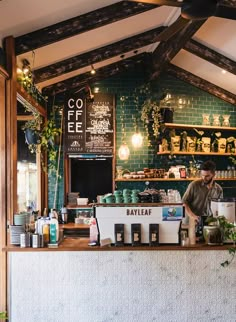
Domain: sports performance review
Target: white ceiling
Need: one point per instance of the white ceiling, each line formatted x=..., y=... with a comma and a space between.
x=18, y=17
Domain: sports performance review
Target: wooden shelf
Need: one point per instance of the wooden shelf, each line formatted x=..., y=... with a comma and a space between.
x=204, y=127
x=197, y=153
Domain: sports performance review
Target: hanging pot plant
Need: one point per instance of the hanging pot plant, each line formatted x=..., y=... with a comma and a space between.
x=32, y=131
x=42, y=139
x=31, y=136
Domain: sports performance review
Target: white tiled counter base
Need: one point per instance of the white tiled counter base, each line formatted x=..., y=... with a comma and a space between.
x=106, y=286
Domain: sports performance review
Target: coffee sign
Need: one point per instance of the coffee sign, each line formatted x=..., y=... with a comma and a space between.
x=89, y=126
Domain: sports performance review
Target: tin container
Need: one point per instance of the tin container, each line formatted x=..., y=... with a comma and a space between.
x=35, y=240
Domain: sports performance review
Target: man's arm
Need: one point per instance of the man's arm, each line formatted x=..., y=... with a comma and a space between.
x=190, y=213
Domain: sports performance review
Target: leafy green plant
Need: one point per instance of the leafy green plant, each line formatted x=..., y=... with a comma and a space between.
x=3, y=316
x=47, y=133
x=229, y=233
x=48, y=136
x=151, y=114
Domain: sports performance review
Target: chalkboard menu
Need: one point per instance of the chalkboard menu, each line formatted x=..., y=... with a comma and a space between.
x=89, y=125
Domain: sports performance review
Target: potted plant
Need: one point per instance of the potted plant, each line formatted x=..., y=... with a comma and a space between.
x=228, y=233
x=42, y=138
x=32, y=128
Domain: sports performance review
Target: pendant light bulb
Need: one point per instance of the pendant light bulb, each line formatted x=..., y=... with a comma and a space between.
x=137, y=140
x=123, y=152
x=92, y=71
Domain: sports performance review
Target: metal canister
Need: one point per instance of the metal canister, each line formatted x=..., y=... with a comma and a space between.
x=35, y=240
x=23, y=240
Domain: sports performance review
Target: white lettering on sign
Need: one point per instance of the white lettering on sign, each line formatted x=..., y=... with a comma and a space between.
x=139, y=212
x=74, y=124
x=78, y=103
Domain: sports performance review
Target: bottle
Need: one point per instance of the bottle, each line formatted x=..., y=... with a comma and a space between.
x=54, y=230
x=45, y=213
x=93, y=232
x=46, y=233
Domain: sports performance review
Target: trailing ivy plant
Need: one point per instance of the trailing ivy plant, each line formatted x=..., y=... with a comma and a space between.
x=150, y=112
x=229, y=233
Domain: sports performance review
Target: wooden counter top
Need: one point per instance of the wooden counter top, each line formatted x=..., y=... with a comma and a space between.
x=81, y=244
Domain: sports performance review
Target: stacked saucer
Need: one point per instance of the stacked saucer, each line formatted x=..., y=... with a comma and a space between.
x=22, y=218
x=15, y=232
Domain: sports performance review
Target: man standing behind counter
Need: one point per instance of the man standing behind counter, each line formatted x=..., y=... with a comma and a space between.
x=197, y=198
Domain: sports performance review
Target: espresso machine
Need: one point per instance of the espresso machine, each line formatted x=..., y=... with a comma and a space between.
x=224, y=207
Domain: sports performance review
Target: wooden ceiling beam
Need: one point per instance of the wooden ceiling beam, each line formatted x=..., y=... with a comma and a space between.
x=167, y=50
x=78, y=25
x=211, y=56
x=201, y=84
x=98, y=55
x=101, y=73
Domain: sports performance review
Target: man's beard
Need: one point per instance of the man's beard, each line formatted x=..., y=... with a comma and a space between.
x=207, y=182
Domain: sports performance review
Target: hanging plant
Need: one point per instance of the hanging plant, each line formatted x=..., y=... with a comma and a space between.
x=46, y=135
x=150, y=114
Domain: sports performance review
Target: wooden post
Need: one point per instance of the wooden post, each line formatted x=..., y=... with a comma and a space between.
x=3, y=192
x=11, y=124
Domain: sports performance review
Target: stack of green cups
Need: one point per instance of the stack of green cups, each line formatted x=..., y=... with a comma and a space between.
x=134, y=196
x=118, y=196
x=127, y=195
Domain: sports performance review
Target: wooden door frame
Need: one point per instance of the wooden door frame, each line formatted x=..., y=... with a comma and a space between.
x=8, y=157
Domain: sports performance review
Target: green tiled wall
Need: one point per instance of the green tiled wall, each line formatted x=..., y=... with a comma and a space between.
x=201, y=102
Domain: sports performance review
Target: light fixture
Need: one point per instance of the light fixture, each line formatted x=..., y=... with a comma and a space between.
x=87, y=91
x=137, y=140
x=123, y=152
x=92, y=71
x=96, y=89
x=173, y=101
x=18, y=70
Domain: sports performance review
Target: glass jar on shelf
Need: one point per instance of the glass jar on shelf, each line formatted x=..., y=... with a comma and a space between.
x=226, y=118
x=205, y=119
x=216, y=120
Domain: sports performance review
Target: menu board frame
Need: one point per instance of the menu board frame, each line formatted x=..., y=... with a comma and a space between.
x=89, y=126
